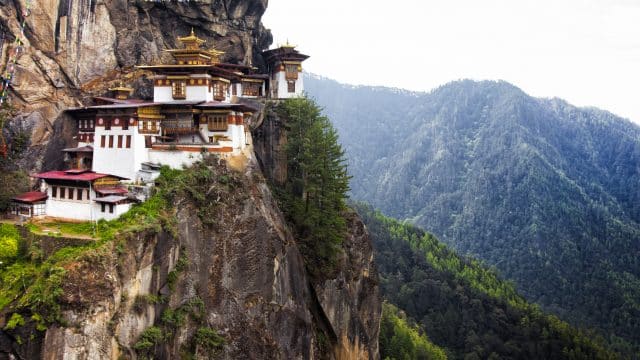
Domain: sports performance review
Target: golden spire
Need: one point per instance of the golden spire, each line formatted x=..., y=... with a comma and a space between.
x=191, y=42
x=287, y=45
x=121, y=92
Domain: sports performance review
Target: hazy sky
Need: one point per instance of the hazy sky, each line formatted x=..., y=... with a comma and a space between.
x=584, y=51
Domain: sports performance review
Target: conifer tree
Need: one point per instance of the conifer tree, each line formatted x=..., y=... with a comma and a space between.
x=317, y=182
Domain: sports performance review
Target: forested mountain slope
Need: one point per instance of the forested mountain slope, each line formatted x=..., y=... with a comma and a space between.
x=544, y=191
x=464, y=307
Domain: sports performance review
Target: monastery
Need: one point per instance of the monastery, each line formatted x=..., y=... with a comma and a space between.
x=198, y=107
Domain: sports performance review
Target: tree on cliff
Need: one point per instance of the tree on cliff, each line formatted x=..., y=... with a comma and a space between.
x=313, y=196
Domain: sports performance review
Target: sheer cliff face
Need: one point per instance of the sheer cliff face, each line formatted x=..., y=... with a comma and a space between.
x=240, y=273
x=77, y=48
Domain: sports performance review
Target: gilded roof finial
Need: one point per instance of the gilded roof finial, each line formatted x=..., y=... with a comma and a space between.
x=287, y=45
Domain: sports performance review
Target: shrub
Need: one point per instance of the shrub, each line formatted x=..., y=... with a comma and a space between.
x=208, y=339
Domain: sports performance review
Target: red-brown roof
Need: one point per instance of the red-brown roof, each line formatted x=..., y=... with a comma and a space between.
x=86, y=148
x=74, y=175
x=31, y=197
x=224, y=105
x=111, y=191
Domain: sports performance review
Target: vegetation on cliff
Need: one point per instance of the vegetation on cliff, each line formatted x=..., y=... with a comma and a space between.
x=400, y=339
x=544, y=191
x=466, y=308
x=313, y=197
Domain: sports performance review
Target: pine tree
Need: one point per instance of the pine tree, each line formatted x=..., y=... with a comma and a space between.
x=317, y=182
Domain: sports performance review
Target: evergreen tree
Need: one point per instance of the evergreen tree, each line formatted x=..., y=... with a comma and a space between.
x=317, y=182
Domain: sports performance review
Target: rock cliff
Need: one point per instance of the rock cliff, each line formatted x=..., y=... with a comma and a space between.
x=225, y=262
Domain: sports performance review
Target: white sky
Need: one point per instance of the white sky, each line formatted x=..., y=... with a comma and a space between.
x=584, y=51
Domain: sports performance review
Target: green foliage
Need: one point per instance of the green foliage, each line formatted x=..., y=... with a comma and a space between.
x=8, y=243
x=544, y=191
x=399, y=340
x=148, y=341
x=208, y=339
x=465, y=307
x=15, y=321
x=313, y=196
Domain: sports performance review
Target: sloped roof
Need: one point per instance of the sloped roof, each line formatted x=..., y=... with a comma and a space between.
x=74, y=175
x=31, y=197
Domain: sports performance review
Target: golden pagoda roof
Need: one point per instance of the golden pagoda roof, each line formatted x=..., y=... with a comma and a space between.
x=191, y=39
x=121, y=87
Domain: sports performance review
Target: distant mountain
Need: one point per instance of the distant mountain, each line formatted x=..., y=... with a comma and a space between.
x=546, y=192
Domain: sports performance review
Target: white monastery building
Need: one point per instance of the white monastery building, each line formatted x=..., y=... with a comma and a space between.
x=197, y=108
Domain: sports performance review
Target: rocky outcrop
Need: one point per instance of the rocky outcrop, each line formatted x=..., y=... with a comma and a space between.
x=231, y=265
x=77, y=48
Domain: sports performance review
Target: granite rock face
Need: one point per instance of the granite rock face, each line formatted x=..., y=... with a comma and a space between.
x=238, y=271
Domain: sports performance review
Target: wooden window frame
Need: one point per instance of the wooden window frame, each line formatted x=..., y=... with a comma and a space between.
x=217, y=122
x=128, y=142
x=110, y=141
x=54, y=191
x=179, y=89
x=103, y=141
x=119, y=141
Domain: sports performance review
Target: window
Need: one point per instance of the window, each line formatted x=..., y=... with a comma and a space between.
x=110, y=141
x=234, y=89
x=91, y=123
x=210, y=139
x=111, y=208
x=251, y=88
x=86, y=192
x=128, y=141
x=70, y=195
x=62, y=189
x=219, y=90
x=291, y=86
x=103, y=141
x=107, y=124
x=179, y=89
x=102, y=207
x=119, y=141
x=217, y=122
x=90, y=138
x=291, y=71
x=79, y=194
x=125, y=124
x=54, y=191
x=147, y=142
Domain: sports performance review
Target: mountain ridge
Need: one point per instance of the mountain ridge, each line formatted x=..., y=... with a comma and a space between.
x=540, y=189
